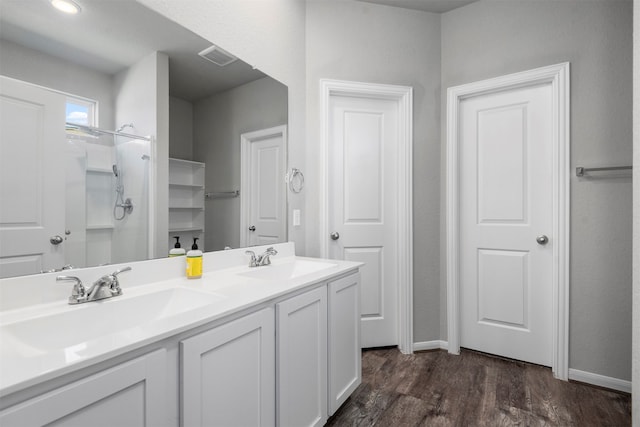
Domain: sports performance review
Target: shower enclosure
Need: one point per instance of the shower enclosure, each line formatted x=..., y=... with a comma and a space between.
x=107, y=196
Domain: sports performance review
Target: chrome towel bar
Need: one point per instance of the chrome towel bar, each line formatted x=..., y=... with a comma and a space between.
x=221, y=194
x=580, y=171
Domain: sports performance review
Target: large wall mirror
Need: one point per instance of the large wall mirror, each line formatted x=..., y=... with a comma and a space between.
x=82, y=99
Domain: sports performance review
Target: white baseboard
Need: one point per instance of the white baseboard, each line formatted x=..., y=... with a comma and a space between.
x=431, y=345
x=600, y=380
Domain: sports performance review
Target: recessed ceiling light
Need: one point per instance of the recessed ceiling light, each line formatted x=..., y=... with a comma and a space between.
x=66, y=6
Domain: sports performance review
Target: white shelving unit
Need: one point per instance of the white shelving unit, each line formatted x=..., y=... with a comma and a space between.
x=186, y=202
x=99, y=226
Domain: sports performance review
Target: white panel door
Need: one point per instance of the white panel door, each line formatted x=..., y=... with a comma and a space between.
x=264, y=205
x=363, y=209
x=505, y=206
x=32, y=178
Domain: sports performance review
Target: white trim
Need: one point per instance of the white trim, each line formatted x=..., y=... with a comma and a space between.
x=558, y=77
x=600, y=380
x=245, y=174
x=430, y=345
x=153, y=219
x=403, y=95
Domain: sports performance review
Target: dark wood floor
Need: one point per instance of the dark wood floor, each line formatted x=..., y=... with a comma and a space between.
x=438, y=389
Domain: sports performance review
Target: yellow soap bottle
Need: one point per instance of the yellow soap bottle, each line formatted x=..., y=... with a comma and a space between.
x=194, y=261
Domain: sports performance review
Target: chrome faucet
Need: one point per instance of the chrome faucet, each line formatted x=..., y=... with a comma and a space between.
x=79, y=293
x=56, y=270
x=105, y=287
x=260, y=260
x=264, y=258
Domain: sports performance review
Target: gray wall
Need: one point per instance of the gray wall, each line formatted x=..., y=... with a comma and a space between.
x=35, y=67
x=365, y=42
x=180, y=129
x=492, y=38
x=218, y=123
x=636, y=213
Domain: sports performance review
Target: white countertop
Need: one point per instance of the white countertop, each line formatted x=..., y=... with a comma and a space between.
x=26, y=361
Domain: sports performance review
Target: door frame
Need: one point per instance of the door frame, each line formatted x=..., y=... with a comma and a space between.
x=557, y=76
x=246, y=139
x=403, y=95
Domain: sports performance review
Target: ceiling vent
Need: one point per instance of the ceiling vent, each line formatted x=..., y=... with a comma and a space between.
x=218, y=56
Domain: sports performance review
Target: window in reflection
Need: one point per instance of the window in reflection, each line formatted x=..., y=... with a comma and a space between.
x=80, y=111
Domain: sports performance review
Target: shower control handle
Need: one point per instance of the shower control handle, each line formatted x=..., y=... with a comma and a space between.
x=56, y=240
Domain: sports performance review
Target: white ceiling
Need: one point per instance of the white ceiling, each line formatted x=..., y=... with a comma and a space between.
x=434, y=6
x=110, y=36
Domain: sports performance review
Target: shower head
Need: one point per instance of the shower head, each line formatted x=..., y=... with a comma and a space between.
x=127, y=125
x=115, y=170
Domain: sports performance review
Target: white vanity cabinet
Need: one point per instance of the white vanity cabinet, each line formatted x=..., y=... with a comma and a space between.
x=302, y=359
x=267, y=353
x=228, y=376
x=344, y=352
x=130, y=394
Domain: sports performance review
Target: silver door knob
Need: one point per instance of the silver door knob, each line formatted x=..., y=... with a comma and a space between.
x=56, y=240
x=252, y=228
x=542, y=240
x=335, y=235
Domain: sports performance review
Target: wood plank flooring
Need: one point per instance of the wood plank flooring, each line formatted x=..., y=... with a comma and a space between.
x=435, y=388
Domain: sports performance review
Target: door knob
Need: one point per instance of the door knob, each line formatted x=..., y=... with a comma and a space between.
x=252, y=228
x=335, y=235
x=542, y=239
x=56, y=240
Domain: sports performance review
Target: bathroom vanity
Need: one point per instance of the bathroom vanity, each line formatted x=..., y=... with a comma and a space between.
x=270, y=345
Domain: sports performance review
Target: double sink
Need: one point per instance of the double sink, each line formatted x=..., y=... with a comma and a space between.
x=136, y=312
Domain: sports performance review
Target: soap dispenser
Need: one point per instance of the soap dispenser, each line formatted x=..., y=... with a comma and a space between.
x=194, y=261
x=177, y=250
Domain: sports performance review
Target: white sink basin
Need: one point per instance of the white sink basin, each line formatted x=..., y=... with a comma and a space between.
x=286, y=271
x=89, y=321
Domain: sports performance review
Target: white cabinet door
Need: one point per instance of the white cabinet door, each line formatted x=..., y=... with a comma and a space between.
x=345, y=373
x=228, y=375
x=302, y=359
x=131, y=394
